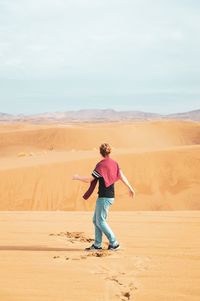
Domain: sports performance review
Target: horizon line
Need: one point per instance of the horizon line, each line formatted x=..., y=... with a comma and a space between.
x=98, y=109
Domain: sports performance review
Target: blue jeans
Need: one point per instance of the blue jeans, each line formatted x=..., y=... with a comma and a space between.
x=99, y=221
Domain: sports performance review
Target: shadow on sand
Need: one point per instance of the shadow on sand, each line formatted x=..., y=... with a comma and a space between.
x=36, y=248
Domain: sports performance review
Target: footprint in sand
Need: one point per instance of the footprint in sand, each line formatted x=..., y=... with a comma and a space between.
x=126, y=293
x=101, y=253
x=113, y=278
x=55, y=257
x=74, y=236
x=125, y=296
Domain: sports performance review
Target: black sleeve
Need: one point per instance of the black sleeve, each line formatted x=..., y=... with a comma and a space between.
x=96, y=174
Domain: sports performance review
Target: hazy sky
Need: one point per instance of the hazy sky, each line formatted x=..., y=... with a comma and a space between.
x=59, y=55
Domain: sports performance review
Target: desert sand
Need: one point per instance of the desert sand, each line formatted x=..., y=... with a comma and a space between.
x=42, y=257
x=45, y=224
x=160, y=158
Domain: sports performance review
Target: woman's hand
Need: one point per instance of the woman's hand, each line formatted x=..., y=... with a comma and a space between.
x=75, y=177
x=131, y=192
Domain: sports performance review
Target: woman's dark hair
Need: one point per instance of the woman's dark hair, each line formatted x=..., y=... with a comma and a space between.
x=105, y=149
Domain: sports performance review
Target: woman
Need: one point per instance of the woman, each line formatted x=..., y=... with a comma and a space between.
x=107, y=172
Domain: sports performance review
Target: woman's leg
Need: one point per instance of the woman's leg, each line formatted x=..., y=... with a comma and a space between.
x=102, y=207
x=98, y=232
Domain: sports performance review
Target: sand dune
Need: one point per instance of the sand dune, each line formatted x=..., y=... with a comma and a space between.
x=85, y=137
x=160, y=158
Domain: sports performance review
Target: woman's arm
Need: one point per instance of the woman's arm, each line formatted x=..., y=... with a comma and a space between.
x=126, y=182
x=83, y=179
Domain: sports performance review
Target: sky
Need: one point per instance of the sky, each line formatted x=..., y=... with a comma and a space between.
x=60, y=55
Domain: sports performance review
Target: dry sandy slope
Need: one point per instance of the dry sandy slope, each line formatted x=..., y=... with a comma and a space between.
x=167, y=179
x=147, y=134
x=160, y=158
x=159, y=259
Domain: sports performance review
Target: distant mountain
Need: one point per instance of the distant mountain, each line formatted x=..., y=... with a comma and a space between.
x=6, y=117
x=192, y=115
x=94, y=115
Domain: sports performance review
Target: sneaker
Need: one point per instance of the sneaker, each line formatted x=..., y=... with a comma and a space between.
x=93, y=247
x=110, y=247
